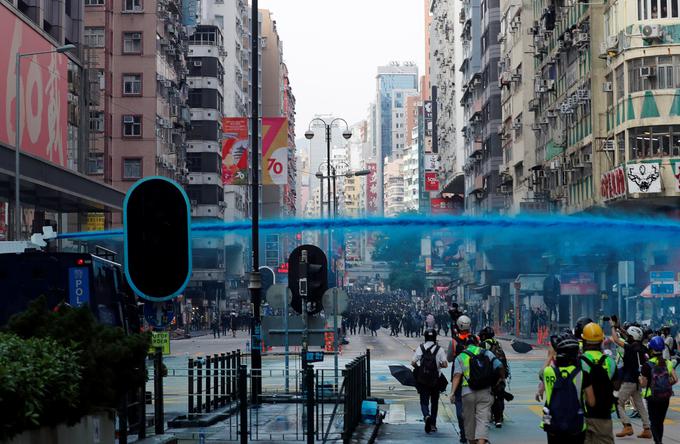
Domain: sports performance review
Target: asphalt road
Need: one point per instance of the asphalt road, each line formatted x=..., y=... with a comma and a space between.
x=403, y=421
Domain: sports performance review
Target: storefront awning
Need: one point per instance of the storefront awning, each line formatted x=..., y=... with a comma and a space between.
x=53, y=188
x=531, y=283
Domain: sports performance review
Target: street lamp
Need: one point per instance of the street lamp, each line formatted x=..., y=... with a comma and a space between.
x=17, y=137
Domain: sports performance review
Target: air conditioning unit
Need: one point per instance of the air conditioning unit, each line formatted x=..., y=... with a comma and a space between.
x=583, y=95
x=500, y=37
x=545, y=121
x=607, y=87
x=167, y=83
x=536, y=127
x=517, y=126
x=582, y=38
x=505, y=189
x=613, y=42
x=647, y=72
x=567, y=38
x=198, y=63
x=517, y=75
x=652, y=32
x=565, y=108
x=551, y=114
x=608, y=145
x=550, y=85
x=587, y=158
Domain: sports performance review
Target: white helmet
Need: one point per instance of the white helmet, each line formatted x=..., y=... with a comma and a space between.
x=635, y=333
x=463, y=323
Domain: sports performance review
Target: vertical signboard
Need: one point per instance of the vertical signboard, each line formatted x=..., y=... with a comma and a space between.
x=372, y=188
x=3, y=221
x=78, y=286
x=235, y=151
x=43, y=95
x=274, y=151
x=644, y=177
x=431, y=181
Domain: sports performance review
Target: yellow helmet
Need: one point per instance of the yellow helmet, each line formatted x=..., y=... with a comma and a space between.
x=592, y=333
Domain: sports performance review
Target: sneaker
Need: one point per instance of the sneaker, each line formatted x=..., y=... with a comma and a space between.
x=499, y=425
x=428, y=424
x=434, y=428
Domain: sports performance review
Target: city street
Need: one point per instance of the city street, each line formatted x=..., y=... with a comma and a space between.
x=403, y=422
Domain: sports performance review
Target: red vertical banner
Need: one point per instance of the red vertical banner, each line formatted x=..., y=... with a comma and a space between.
x=235, y=150
x=372, y=188
x=431, y=181
x=274, y=151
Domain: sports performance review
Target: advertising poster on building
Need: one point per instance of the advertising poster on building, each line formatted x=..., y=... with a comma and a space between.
x=43, y=94
x=431, y=181
x=578, y=283
x=372, y=188
x=644, y=177
x=427, y=114
x=431, y=162
x=94, y=222
x=613, y=184
x=4, y=216
x=235, y=151
x=676, y=173
x=445, y=205
x=274, y=151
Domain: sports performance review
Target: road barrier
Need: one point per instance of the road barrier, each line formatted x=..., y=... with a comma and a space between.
x=356, y=377
x=212, y=382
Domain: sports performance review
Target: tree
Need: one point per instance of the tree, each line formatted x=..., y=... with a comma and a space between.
x=402, y=252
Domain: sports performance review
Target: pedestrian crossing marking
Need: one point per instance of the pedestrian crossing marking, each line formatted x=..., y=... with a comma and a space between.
x=536, y=409
x=396, y=414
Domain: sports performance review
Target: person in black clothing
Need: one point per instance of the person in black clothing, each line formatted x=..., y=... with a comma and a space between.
x=657, y=403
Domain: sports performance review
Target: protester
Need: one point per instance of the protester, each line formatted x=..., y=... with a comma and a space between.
x=567, y=391
x=476, y=371
x=657, y=379
x=461, y=339
x=428, y=360
x=634, y=357
x=489, y=342
x=601, y=370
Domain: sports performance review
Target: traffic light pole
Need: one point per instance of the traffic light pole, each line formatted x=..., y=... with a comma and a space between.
x=307, y=370
x=255, y=284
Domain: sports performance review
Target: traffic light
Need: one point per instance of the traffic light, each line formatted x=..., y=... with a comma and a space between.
x=307, y=277
x=156, y=218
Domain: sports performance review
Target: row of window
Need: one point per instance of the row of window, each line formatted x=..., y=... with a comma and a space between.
x=131, y=167
x=654, y=141
x=663, y=73
x=128, y=5
x=657, y=9
x=94, y=37
x=132, y=124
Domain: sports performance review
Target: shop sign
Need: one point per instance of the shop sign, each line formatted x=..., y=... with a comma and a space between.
x=644, y=177
x=431, y=182
x=613, y=184
x=578, y=283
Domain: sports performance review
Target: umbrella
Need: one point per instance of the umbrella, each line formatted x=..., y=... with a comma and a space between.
x=521, y=347
x=403, y=374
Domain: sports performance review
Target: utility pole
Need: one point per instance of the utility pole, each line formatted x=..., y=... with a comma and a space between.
x=255, y=284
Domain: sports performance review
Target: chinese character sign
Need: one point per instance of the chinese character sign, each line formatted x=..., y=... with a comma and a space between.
x=372, y=188
x=43, y=93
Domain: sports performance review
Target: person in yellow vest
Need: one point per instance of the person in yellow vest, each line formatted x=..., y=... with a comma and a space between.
x=476, y=370
x=567, y=391
x=657, y=378
x=602, y=370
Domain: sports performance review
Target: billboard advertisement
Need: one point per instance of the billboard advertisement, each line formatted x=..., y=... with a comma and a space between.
x=445, y=205
x=644, y=177
x=235, y=151
x=274, y=151
x=613, y=184
x=431, y=181
x=372, y=188
x=43, y=97
x=578, y=283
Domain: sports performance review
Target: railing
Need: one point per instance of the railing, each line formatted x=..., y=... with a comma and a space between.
x=357, y=388
x=212, y=382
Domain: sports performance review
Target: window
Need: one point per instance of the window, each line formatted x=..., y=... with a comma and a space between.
x=95, y=163
x=657, y=9
x=97, y=121
x=132, y=168
x=132, y=126
x=219, y=21
x=655, y=141
x=132, y=6
x=132, y=43
x=94, y=37
x=132, y=84
x=94, y=2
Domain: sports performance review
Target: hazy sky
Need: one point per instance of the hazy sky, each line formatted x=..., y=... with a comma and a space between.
x=332, y=49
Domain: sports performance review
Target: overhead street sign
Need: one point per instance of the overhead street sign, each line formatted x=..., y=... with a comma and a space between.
x=662, y=276
x=328, y=303
x=663, y=289
x=273, y=331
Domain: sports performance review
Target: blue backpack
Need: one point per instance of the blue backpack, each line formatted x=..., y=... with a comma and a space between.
x=660, y=382
x=565, y=406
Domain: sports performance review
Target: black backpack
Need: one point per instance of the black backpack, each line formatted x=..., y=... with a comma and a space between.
x=497, y=350
x=427, y=375
x=603, y=388
x=482, y=374
x=565, y=407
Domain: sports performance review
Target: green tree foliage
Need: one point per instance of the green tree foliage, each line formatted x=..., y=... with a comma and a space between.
x=402, y=252
x=40, y=381
x=110, y=362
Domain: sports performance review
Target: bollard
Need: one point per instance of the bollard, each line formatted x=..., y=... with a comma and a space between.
x=159, y=417
x=207, y=384
x=243, y=403
x=235, y=367
x=216, y=382
x=199, y=385
x=230, y=375
x=190, y=388
x=223, y=379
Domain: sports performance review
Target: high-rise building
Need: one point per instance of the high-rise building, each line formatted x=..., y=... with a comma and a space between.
x=56, y=90
x=394, y=186
x=391, y=80
x=139, y=126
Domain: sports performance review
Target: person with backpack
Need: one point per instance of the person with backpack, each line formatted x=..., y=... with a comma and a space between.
x=488, y=341
x=671, y=345
x=428, y=361
x=461, y=339
x=634, y=356
x=657, y=379
x=567, y=391
x=601, y=369
x=476, y=372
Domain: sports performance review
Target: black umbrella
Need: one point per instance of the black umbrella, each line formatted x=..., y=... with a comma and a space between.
x=403, y=374
x=521, y=347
